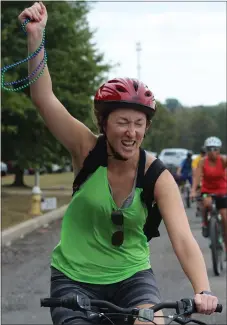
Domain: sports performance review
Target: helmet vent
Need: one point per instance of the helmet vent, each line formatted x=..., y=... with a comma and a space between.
x=135, y=85
x=147, y=93
x=121, y=89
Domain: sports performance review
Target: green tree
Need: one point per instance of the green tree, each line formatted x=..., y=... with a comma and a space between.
x=195, y=124
x=76, y=66
x=186, y=128
x=201, y=127
x=183, y=128
x=162, y=130
x=222, y=126
x=172, y=104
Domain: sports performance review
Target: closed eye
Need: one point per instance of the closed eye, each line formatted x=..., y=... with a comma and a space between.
x=122, y=122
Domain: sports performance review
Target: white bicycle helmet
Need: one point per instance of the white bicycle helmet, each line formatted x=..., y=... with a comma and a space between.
x=213, y=142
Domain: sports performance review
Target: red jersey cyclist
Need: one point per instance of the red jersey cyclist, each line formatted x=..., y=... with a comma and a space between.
x=211, y=172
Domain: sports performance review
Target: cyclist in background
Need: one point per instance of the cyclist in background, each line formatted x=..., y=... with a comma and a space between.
x=196, y=161
x=211, y=172
x=184, y=172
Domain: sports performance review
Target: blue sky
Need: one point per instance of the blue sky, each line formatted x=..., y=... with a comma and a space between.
x=183, y=46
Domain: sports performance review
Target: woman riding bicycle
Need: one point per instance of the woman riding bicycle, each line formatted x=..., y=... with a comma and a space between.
x=211, y=172
x=85, y=260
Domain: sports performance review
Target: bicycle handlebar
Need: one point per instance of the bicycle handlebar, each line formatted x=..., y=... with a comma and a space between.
x=217, y=195
x=200, y=198
x=81, y=302
x=197, y=198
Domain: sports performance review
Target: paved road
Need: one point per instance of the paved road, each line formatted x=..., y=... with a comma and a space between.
x=25, y=274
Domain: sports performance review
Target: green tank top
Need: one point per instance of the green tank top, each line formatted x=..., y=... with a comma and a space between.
x=85, y=252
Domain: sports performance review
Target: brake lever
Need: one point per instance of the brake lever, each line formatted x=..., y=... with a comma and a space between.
x=196, y=321
x=181, y=319
x=185, y=320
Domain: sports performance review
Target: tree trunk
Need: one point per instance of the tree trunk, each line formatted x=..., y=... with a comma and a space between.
x=19, y=177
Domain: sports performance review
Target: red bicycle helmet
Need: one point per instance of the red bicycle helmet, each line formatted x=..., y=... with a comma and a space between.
x=123, y=93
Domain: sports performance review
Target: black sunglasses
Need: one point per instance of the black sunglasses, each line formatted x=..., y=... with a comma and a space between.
x=118, y=236
x=212, y=149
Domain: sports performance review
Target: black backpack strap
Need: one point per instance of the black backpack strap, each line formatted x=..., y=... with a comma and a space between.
x=151, y=176
x=141, y=168
x=154, y=217
x=96, y=157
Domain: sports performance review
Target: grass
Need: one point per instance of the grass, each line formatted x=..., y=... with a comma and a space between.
x=47, y=181
x=15, y=207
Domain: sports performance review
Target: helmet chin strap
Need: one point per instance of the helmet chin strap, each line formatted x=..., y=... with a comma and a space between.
x=115, y=154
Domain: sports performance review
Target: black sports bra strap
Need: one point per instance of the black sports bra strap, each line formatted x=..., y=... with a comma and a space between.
x=141, y=168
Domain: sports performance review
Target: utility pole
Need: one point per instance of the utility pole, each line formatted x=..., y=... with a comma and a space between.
x=138, y=50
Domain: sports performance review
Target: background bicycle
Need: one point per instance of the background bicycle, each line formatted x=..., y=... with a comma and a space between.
x=216, y=237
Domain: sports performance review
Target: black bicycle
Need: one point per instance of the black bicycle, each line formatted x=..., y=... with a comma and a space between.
x=216, y=237
x=104, y=312
x=215, y=234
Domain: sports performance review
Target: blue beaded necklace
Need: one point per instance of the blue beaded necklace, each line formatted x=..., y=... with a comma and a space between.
x=30, y=57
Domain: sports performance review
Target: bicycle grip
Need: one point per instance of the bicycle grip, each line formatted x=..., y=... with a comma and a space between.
x=50, y=302
x=219, y=308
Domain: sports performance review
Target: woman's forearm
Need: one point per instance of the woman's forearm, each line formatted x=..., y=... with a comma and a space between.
x=193, y=264
x=43, y=86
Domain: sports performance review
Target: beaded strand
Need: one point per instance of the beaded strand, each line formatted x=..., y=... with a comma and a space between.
x=30, y=82
x=30, y=57
x=28, y=77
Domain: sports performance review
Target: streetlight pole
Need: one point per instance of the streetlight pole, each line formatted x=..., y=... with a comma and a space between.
x=138, y=50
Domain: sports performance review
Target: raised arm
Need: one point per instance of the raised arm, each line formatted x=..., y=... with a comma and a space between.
x=73, y=134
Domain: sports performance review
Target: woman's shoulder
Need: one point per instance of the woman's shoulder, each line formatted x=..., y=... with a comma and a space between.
x=224, y=160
